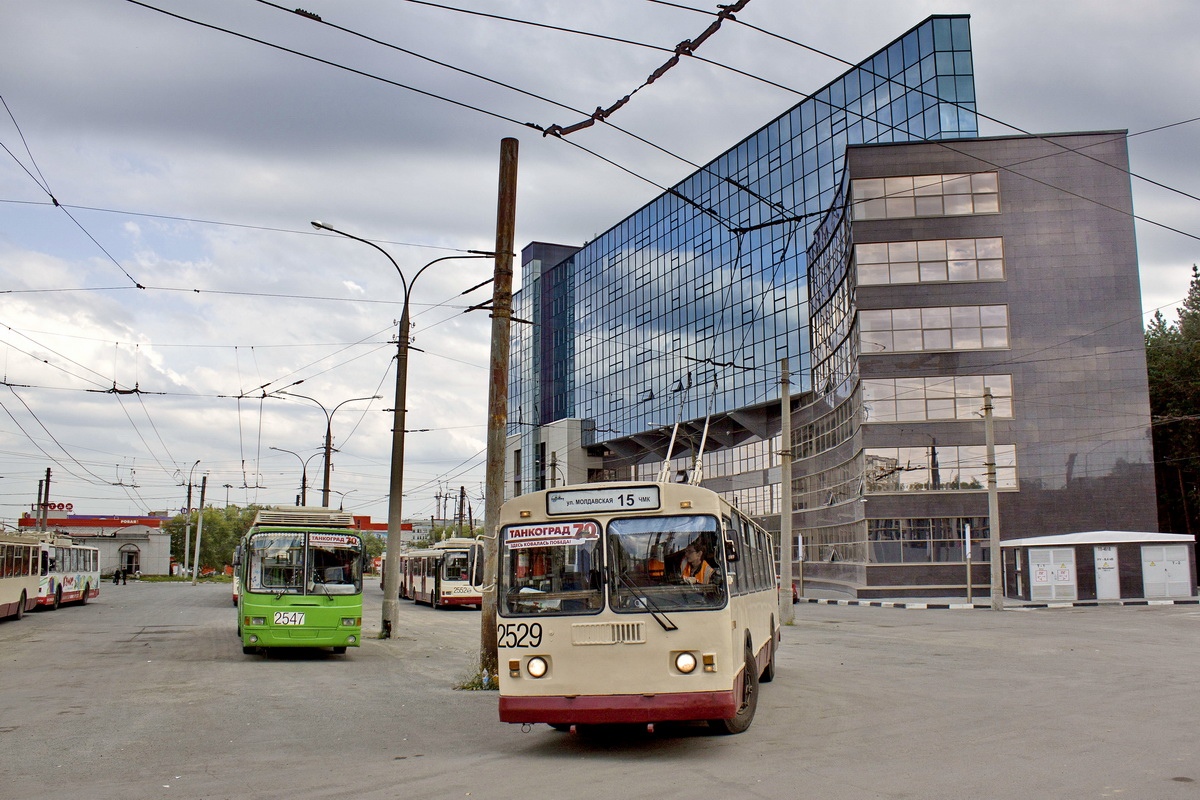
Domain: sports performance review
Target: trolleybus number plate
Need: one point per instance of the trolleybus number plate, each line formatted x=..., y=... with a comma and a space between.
x=623, y=498
x=289, y=617
x=519, y=634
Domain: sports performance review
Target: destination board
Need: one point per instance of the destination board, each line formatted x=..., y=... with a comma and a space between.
x=602, y=501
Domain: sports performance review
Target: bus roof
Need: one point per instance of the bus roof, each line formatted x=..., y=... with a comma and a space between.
x=303, y=517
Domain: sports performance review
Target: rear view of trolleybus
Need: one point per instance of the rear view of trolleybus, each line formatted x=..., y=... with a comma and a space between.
x=633, y=603
x=300, y=575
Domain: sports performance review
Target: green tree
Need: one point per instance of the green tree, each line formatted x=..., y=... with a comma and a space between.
x=1173, y=369
x=223, y=529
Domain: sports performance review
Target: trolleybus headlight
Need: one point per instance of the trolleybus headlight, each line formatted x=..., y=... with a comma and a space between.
x=537, y=667
x=256, y=620
x=253, y=639
x=350, y=622
x=685, y=663
x=351, y=639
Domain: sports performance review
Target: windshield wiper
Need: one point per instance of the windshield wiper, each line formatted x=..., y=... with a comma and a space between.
x=659, y=616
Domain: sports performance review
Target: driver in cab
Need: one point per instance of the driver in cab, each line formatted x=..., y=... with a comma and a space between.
x=696, y=567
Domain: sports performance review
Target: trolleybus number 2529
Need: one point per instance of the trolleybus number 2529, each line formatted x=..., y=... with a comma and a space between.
x=519, y=634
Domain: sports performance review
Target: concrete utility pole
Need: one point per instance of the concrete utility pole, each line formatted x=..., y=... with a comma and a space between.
x=187, y=519
x=199, y=530
x=787, y=614
x=506, y=222
x=993, y=503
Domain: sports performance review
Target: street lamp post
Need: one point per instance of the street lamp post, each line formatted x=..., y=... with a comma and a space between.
x=391, y=578
x=303, y=471
x=342, y=497
x=328, y=435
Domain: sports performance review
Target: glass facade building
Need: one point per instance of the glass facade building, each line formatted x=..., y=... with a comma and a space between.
x=686, y=307
x=867, y=236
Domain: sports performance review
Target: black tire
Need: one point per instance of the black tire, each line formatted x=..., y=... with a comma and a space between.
x=21, y=607
x=249, y=651
x=768, y=673
x=57, y=599
x=339, y=651
x=83, y=600
x=740, y=721
x=565, y=727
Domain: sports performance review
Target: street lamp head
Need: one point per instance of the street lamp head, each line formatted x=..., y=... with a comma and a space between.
x=321, y=226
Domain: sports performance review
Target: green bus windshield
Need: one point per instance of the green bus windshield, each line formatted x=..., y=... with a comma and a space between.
x=305, y=562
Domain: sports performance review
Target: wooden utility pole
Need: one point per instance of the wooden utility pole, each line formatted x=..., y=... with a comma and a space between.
x=497, y=430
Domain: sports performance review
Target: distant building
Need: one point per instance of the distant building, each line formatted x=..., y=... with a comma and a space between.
x=135, y=544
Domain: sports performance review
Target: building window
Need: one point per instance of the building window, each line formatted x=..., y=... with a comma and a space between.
x=926, y=540
x=899, y=330
x=925, y=196
x=943, y=398
x=930, y=261
x=938, y=468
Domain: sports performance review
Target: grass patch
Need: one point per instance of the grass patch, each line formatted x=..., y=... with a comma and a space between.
x=184, y=579
x=476, y=683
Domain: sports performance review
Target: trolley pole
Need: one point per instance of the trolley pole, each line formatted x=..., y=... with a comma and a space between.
x=787, y=614
x=506, y=221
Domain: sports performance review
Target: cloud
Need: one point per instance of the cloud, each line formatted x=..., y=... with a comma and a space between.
x=149, y=129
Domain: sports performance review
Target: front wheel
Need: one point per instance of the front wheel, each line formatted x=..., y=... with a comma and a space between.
x=249, y=651
x=21, y=606
x=340, y=650
x=740, y=721
x=83, y=600
x=57, y=599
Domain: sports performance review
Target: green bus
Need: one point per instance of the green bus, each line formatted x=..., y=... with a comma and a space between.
x=300, y=572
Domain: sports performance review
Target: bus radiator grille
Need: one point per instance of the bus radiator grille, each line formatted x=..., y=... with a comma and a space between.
x=608, y=633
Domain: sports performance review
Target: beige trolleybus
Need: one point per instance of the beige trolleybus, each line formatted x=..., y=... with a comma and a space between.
x=633, y=603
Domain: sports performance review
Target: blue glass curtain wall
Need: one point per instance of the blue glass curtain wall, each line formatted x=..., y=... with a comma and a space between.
x=686, y=306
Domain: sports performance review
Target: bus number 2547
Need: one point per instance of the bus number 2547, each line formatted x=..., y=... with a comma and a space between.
x=519, y=634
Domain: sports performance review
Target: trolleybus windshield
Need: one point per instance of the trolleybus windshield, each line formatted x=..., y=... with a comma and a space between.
x=666, y=563
x=551, y=568
x=278, y=563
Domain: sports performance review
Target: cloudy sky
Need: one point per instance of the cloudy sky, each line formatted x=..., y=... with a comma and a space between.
x=162, y=160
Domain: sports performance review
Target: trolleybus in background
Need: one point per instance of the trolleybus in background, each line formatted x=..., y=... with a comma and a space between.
x=633, y=603
x=69, y=573
x=18, y=574
x=300, y=579
x=447, y=573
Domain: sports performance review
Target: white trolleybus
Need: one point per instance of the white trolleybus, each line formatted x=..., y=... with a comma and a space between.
x=18, y=574
x=633, y=603
x=447, y=573
x=69, y=573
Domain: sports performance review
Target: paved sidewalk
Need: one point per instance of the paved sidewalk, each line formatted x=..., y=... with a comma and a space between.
x=820, y=597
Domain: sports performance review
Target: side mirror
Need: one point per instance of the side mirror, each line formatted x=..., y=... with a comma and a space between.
x=731, y=553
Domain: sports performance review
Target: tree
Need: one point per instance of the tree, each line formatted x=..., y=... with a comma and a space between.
x=1173, y=370
x=223, y=529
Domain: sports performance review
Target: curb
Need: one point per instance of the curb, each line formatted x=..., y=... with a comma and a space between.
x=988, y=606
